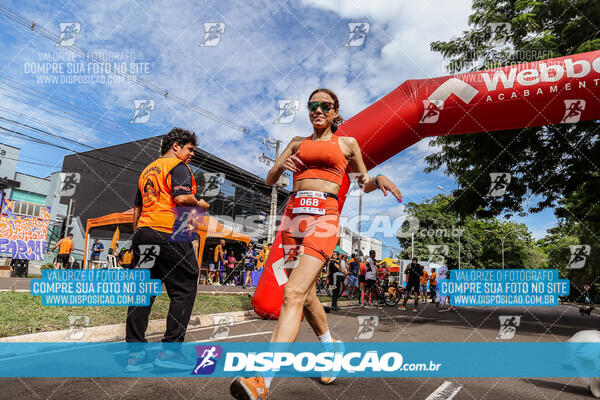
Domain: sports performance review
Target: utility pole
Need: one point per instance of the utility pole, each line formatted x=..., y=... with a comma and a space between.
x=359, y=223
x=69, y=217
x=502, y=240
x=458, y=249
x=271, y=144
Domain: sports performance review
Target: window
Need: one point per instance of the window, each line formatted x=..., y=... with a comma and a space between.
x=28, y=209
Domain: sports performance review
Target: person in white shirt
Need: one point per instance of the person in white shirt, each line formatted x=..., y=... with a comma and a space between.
x=439, y=299
x=371, y=278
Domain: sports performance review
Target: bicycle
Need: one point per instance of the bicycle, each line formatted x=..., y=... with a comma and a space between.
x=390, y=294
x=322, y=285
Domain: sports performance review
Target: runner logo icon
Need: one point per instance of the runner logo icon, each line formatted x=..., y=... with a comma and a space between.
x=499, y=183
x=508, y=326
x=287, y=111
x=212, y=34
x=207, y=359
x=579, y=254
x=358, y=33
x=142, y=111
x=431, y=111
x=68, y=33
x=573, y=110
x=366, y=326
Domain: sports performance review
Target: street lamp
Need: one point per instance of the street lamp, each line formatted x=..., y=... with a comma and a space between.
x=502, y=240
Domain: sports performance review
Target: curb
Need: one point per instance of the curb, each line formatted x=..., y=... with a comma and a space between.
x=116, y=332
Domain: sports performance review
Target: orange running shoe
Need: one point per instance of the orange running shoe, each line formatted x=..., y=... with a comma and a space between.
x=249, y=388
x=338, y=348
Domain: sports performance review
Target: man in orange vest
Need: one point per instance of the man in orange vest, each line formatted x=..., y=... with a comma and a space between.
x=163, y=224
x=433, y=284
x=219, y=264
x=126, y=259
x=65, y=247
x=423, y=285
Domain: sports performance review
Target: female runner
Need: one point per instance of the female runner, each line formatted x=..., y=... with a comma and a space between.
x=311, y=224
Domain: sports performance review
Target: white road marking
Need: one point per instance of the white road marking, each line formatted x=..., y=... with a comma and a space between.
x=446, y=391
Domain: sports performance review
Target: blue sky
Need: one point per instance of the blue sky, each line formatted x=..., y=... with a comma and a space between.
x=269, y=51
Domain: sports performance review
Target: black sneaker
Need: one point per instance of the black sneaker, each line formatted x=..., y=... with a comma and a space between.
x=172, y=360
x=138, y=362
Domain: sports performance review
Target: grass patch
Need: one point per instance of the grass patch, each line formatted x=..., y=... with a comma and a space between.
x=22, y=313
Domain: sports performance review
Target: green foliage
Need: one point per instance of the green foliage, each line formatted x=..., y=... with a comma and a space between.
x=546, y=163
x=551, y=166
x=480, y=239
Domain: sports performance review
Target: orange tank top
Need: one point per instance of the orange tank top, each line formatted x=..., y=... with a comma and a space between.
x=159, y=208
x=324, y=160
x=65, y=246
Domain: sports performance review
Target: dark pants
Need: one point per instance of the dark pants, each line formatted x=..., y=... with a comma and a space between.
x=177, y=268
x=432, y=292
x=335, y=294
x=223, y=272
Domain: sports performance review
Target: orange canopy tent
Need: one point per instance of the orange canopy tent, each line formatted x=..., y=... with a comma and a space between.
x=209, y=227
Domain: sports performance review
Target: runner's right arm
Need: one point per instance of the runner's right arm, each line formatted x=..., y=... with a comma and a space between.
x=287, y=160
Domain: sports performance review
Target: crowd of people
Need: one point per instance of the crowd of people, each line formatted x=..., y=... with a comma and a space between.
x=365, y=279
x=227, y=269
x=166, y=200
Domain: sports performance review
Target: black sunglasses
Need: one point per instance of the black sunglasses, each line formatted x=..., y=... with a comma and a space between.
x=325, y=106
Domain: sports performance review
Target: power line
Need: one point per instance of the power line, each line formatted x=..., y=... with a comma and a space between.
x=43, y=132
x=80, y=119
x=39, y=121
x=91, y=57
x=41, y=141
x=56, y=100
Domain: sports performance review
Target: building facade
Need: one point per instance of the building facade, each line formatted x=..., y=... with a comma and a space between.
x=353, y=243
x=107, y=183
x=31, y=198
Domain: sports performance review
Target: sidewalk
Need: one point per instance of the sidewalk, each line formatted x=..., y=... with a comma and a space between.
x=116, y=332
x=23, y=285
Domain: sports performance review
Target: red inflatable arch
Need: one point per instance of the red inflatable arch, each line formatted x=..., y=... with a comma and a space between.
x=546, y=92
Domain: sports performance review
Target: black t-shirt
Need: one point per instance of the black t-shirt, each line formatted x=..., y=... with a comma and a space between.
x=333, y=267
x=415, y=271
x=181, y=182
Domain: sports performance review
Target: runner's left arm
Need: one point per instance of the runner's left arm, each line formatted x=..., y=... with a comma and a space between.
x=380, y=182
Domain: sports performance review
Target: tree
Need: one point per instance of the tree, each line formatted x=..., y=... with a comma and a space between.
x=480, y=240
x=546, y=163
x=579, y=215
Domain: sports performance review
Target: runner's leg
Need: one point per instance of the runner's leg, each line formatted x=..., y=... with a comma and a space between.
x=315, y=313
x=296, y=291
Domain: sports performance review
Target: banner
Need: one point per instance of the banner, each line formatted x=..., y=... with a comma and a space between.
x=377, y=359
